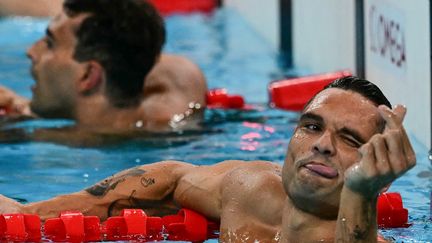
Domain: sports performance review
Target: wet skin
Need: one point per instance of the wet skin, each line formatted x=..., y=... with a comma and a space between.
x=324, y=145
x=66, y=88
x=344, y=151
x=55, y=71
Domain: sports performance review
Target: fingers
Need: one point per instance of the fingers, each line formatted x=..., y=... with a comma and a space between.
x=382, y=162
x=385, y=157
x=12, y=103
x=394, y=119
x=368, y=159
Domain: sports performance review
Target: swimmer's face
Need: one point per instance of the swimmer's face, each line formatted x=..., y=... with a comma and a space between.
x=54, y=69
x=325, y=143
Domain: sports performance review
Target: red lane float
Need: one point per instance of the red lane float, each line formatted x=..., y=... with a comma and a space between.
x=20, y=228
x=73, y=226
x=188, y=225
x=292, y=94
x=167, y=7
x=134, y=224
x=390, y=211
x=220, y=99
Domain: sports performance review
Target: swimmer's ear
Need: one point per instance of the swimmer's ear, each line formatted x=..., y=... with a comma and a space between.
x=92, y=77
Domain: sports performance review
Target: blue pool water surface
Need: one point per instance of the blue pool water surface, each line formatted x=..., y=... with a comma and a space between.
x=233, y=56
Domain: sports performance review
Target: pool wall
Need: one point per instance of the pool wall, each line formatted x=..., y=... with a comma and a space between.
x=388, y=42
x=255, y=11
x=400, y=58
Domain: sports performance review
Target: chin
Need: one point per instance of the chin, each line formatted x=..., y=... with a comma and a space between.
x=319, y=201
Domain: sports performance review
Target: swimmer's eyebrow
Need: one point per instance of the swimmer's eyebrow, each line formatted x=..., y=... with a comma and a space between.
x=311, y=116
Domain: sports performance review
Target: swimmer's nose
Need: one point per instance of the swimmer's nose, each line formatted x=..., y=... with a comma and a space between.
x=30, y=53
x=324, y=144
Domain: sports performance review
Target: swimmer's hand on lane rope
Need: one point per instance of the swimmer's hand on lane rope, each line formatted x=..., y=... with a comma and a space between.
x=12, y=104
x=384, y=158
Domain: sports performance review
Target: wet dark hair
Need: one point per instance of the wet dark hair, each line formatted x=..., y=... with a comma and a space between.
x=363, y=87
x=125, y=37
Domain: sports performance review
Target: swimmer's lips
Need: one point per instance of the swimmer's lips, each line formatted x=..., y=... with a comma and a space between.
x=322, y=170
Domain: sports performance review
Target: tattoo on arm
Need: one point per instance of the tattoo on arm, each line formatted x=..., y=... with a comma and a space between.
x=165, y=206
x=147, y=181
x=102, y=188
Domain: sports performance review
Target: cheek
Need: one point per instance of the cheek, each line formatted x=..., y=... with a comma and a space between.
x=300, y=145
x=296, y=150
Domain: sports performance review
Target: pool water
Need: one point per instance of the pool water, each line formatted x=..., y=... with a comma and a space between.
x=233, y=56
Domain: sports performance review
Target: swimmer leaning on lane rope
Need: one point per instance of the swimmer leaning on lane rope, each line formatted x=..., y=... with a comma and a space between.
x=348, y=145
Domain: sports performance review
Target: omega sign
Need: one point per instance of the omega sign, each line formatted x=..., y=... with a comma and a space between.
x=387, y=36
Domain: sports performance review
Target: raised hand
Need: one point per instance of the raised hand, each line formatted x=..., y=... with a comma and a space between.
x=385, y=157
x=12, y=104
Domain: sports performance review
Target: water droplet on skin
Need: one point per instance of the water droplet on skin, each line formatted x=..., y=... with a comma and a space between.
x=139, y=124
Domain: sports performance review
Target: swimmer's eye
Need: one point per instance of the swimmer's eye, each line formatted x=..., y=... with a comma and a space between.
x=352, y=142
x=49, y=42
x=312, y=127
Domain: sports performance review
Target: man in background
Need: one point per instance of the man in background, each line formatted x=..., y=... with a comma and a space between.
x=100, y=64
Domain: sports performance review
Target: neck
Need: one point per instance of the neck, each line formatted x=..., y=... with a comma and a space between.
x=297, y=224
x=95, y=113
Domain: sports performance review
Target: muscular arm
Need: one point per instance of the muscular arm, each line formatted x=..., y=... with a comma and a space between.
x=385, y=157
x=149, y=187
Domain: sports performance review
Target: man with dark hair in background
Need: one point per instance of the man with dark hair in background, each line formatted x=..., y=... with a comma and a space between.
x=349, y=144
x=100, y=65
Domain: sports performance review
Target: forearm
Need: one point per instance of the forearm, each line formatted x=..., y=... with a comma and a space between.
x=149, y=187
x=81, y=201
x=357, y=218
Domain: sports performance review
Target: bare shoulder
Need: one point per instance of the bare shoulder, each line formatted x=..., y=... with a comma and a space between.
x=170, y=87
x=39, y=8
x=249, y=177
x=257, y=189
x=176, y=75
